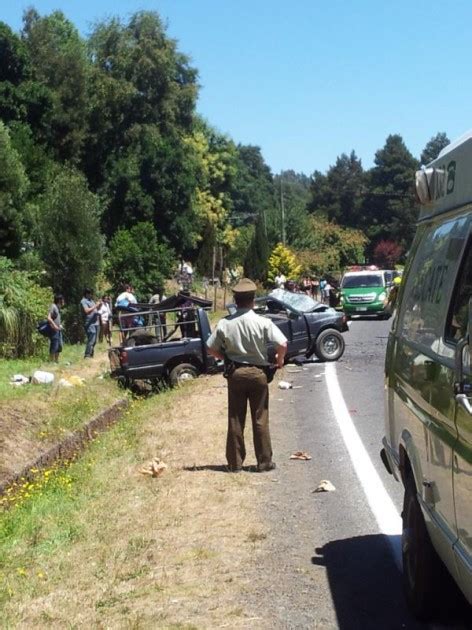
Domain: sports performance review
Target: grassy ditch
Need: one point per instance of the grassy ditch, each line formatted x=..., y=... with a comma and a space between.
x=98, y=544
x=34, y=417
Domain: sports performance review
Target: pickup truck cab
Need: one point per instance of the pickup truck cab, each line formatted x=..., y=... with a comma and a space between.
x=428, y=386
x=310, y=327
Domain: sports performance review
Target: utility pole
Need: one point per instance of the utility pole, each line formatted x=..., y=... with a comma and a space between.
x=282, y=208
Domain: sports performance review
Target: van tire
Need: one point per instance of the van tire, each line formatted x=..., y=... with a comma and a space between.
x=422, y=568
x=329, y=345
x=182, y=373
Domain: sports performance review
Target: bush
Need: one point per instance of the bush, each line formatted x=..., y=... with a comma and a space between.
x=22, y=304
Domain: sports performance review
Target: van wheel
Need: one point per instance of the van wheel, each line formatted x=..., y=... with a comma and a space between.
x=183, y=373
x=329, y=345
x=421, y=565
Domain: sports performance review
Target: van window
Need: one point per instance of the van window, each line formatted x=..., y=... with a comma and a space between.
x=430, y=280
x=456, y=326
x=362, y=281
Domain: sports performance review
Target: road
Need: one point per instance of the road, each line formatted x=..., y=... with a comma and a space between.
x=333, y=559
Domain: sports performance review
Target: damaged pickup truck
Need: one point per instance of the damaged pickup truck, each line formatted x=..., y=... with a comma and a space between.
x=167, y=341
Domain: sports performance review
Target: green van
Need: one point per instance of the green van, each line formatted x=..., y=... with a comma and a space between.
x=428, y=384
x=365, y=293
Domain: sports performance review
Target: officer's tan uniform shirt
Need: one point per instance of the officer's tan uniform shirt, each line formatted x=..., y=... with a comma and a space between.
x=243, y=337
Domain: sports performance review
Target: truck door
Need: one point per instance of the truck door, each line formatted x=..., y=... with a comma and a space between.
x=299, y=333
x=462, y=466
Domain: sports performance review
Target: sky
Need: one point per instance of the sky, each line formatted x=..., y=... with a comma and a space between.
x=308, y=80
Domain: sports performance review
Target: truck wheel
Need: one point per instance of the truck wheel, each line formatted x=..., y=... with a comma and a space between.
x=329, y=345
x=422, y=568
x=182, y=373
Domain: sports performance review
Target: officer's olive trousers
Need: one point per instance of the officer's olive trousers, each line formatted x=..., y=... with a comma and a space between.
x=248, y=384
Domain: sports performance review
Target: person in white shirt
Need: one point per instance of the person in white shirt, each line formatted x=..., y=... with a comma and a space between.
x=126, y=294
x=105, y=314
x=280, y=281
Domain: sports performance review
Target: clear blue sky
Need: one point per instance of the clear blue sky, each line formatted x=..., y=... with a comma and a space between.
x=310, y=79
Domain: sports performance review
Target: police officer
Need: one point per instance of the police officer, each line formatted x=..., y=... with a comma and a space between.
x=241, y=339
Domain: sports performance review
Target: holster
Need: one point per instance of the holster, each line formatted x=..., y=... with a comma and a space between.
x=229, y=368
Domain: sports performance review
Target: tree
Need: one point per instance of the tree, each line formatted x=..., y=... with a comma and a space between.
x=389, y=207
x=13, y=185
x=215, y=157
x=252, y=190
x=337, y=196
x=60, y=66
x=434, y=147
x=386, y=254
x=22, y=304
x=138, y=257
x=283, y=261
x=332, y=248
x=71, y=243
x=294, y=190
x=255, y=262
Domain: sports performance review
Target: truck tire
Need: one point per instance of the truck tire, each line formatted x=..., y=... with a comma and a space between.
x=329, y=345
x=422, y=568
x=182, y=373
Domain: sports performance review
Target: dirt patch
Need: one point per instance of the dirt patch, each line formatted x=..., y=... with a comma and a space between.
x=165, y=552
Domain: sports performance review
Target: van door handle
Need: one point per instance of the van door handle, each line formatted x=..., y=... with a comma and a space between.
x=464, y=402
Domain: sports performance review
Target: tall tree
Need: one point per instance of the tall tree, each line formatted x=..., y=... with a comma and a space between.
x=257, y=256
x=253, y=188
x=71, y=243
x=293, y=191
x=389, y=208
x=434, y=147
x=338, y=194
x=13, y=185
x=141, y=108
x=60, y=70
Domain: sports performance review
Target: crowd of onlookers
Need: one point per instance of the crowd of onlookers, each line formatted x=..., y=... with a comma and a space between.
x=97, y=314
x=322, y=290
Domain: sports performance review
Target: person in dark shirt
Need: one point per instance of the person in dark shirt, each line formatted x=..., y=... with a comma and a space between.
x=54, y=321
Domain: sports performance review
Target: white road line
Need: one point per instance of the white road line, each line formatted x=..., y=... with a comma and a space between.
x=380, y=503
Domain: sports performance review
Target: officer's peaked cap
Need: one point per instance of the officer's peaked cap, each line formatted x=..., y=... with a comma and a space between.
x=244, y=286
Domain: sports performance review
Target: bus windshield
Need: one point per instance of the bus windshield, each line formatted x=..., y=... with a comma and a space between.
x=363, y=281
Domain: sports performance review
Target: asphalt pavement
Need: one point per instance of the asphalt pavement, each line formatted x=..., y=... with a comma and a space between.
x=333, y=559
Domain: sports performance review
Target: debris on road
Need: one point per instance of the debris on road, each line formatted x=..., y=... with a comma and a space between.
x=300, y=455
x=285, y=385
x=154, y=468
x=324, y=486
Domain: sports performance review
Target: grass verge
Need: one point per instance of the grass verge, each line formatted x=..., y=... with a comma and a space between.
x=97, y=544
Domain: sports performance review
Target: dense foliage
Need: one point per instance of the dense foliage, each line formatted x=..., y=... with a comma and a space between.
x=107, y=172
x=22, y=304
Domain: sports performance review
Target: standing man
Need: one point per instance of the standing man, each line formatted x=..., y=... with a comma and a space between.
x=241, y=339
x=54, y=320
x=90, y=310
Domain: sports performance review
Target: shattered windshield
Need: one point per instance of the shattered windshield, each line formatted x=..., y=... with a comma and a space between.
x=299, y=302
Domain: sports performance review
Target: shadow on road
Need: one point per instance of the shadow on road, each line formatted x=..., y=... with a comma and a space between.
x=366, y=588
x=365, y=584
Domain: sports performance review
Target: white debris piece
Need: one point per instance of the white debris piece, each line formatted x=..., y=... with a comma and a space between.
x=19, y=379
x=285, y=385
x=325, y=486
x=42, y=378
